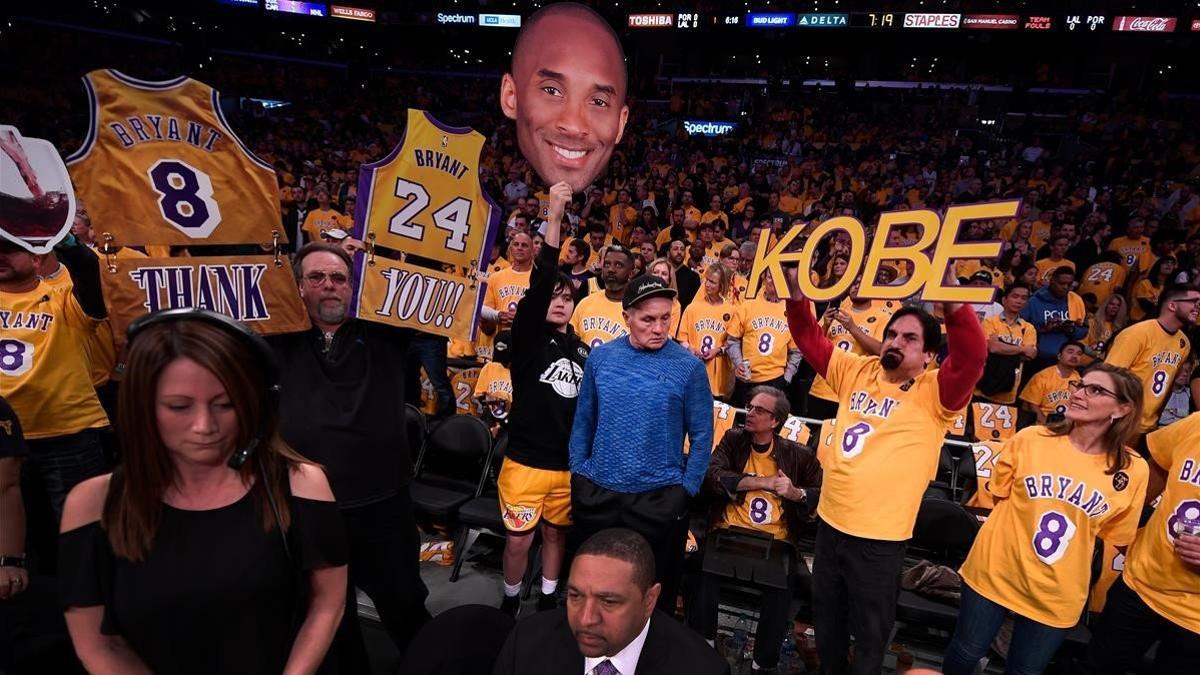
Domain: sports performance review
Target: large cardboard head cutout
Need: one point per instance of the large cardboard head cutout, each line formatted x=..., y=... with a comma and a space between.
x=566, y=93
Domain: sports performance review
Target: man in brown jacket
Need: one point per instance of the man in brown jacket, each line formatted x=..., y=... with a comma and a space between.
x=761, y=481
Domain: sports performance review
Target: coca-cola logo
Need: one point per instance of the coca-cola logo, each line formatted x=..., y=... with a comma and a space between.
x=1145, y=24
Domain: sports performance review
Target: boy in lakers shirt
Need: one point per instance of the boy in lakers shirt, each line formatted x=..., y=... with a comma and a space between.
x=892, y=416
x=1157, y=597
x=760, y=347
x=1153, y=349
x=597, y=318
x=506, y=287
x=1058, y=489
x=1047, y=391
x=758, y=480
x=44, y=371
x=547, y=367
x=856, y=325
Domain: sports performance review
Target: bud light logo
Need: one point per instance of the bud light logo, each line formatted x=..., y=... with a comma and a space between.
x=708, y=128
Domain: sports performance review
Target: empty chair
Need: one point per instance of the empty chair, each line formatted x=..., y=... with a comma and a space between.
x=449, y=467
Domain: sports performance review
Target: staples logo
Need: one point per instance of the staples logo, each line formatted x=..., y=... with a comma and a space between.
x=1144, y=24
x=932, y=20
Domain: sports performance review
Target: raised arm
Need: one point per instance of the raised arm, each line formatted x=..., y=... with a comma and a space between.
x=962, y=369
x=84, y=267
x=806, y=332
x=531, y=310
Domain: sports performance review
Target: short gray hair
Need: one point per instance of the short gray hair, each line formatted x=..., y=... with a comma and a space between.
x=781, y=407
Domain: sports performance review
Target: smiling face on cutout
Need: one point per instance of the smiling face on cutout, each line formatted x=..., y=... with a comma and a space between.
x=566, y=93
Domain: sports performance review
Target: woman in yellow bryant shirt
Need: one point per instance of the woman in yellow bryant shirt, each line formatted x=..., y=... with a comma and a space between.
x=1057, y=490
x=702, y=328
x=1157, y=597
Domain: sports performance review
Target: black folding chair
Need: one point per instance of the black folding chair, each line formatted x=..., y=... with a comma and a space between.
x=452, y=462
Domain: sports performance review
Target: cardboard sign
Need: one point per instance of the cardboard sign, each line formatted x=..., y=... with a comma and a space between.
x=425, y=199
x=250, y=289
x=929, y=257
x=400, y=294
x=37, y=202
x=160, y=165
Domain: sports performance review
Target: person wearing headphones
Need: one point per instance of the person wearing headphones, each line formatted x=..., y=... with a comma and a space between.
x=214, y=547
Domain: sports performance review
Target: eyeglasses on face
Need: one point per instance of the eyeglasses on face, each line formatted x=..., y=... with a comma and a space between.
x=1090, y=390
x=759, y=410
x=318, y=278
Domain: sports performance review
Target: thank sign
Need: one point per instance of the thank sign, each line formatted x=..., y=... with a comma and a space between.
x=929, y=257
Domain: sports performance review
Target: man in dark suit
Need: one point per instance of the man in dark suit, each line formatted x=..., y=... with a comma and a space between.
x=609, y=626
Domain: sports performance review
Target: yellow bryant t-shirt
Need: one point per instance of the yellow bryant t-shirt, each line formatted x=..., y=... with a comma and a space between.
x=762, y=327
x=870, y=321
x=1152, y=569
x=760, y=510
x=884, y=448
x=1048, y=390
x=495, y=382
x=44, y=369
x=505, y=289
x=598, y=320
x=1153, y=356
x=1034, y=553
x=703, y=327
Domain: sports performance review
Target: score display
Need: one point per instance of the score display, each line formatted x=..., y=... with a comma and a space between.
x=876, y=20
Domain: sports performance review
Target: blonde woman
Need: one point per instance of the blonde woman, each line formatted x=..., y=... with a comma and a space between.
x=1108, y=320
x=661, y=268
x=703, y=325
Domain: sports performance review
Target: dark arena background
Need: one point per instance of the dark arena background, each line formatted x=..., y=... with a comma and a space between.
x=746, y=121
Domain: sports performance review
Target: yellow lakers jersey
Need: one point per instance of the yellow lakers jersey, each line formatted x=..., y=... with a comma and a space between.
x=425, y=198
x=495, y=382
x=598, y=320
x=1153, y=570
x=99, y=349
x=161, y=165
x=1153, y=355
x=702, y=328
x=762, y=327
x=1034, y=553
x=870, y=321
x=44, y=372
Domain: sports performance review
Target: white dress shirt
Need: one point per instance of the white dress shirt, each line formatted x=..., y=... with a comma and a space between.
x=625, y=660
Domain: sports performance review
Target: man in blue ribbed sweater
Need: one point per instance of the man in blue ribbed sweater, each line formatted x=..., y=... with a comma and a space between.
x=642, y=394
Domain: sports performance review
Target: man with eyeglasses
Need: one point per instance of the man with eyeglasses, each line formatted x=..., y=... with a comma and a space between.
x=759, y=481
x=341, y=404
x=1154, y=349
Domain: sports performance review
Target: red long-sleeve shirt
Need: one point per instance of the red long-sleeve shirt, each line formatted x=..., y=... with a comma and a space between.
x=957, y=376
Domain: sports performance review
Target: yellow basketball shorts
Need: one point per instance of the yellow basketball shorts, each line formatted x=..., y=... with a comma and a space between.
x=528, y=495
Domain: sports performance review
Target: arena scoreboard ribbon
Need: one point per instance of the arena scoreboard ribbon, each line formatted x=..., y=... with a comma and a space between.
x=425, y=200
x=259, y=291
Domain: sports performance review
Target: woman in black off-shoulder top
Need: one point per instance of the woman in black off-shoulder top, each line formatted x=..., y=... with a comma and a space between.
x=175, y=563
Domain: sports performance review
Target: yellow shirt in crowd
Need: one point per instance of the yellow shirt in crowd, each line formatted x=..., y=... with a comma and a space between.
x=762, y=327
x=1153, y=356
x=1152, y=570
x=1034, y=553
x=886, y=442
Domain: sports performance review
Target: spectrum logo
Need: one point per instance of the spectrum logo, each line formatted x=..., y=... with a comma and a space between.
x=708, y=127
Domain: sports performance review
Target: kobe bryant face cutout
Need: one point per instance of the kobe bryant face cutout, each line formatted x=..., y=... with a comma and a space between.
x=566, y=93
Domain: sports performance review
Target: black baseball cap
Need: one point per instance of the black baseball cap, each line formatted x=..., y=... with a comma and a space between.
x=645, y=287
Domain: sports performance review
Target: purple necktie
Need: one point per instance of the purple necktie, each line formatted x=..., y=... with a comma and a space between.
x=606, y=668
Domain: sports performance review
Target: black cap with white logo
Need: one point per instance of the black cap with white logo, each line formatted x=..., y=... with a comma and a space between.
x=644, y=288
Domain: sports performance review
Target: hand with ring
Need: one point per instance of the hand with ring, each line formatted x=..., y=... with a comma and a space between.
x=13, y=580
